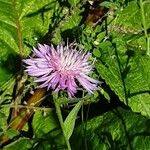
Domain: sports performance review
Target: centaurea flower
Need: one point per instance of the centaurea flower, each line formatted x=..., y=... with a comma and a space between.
x=61, y=68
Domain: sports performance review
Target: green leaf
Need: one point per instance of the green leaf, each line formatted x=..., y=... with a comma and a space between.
x=71, y=118
x=4, y=113
x=108, y=4
x=10, y=133
x=73, y=20
x=73, y=2
x=22, y=24
x=128, y=77
x=44, y=123
x=96, y=52
x=118, y=129
x=128, y=19
x=139, y=86
x=4, y=76
x=110, y=73
x=47, y=131
x=105, y=94
x=23, y=143
x=7, y=89
x=130, y=16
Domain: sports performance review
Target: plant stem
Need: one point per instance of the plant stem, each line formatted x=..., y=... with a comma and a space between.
x=144, y=25
x=143, y=17
x=148, y=46
x=58, y=111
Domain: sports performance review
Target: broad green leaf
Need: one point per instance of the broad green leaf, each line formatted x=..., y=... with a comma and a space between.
x=73, y=20
x=138, y=85
x=128, y=22
x=21, y=143
x=128, y=19
x=118, y=129
x=110, y=73
x=22, y=23
x=130, y=16
x=47, y=131
x=123, y=63
x=71, y=118
x=10, y=133
x=128, y=77
x=44, y=123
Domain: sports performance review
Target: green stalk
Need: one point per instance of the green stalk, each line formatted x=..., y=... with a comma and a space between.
x=58, y=111
x=148, y=46
x=144, y=25
x=143, y=17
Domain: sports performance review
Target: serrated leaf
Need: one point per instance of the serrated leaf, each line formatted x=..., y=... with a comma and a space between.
x=129, y=80
x=73, y=20
x=110, y=73
x=138, y=85
x=128, y=19
x=118, y=129
x=69, y=122
x=21, y=22
x=130, y=16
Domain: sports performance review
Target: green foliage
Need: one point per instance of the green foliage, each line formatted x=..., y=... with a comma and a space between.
x=23, y=23
x=4, y=112
x=46, y=130
x=11, y=133
x=43, y=124
x=120, y=47
x=23, y=143
x=129, y=79
x=130, y=17
x=129, y=75
x=118, y=129
x=73, y=3
x=69, y=122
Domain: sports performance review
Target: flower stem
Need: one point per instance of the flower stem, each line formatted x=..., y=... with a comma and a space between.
x=58, y=111
x=144, y=25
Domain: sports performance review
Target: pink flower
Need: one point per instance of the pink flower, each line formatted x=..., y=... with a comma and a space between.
x=61, y=68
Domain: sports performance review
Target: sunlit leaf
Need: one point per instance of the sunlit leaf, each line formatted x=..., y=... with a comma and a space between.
x=128, y=78
x=71, y=118
x=23, y=143
x=22, y=23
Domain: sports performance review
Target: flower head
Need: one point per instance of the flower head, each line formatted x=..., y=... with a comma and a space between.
x=61, y=68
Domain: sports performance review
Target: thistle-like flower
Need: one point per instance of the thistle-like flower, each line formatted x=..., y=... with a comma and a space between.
x=63, y=68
